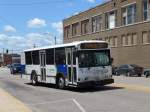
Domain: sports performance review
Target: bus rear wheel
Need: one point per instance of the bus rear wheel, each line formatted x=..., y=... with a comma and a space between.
x=34, y=78
x=61, y=83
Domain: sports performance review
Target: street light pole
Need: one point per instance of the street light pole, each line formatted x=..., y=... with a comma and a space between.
x=55, y=40
x=49, y=34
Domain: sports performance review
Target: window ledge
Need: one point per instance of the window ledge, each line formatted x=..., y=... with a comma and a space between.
x=146, y=43
x=127, y=45
x=130, y=45
x=85, y=34
x=75, y=36
x=96, y=31
x=110, y=28
x=113, y=46
x=134, y=45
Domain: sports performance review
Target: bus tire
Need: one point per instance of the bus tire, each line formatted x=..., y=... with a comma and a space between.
x=60, y=82
x=34, y=78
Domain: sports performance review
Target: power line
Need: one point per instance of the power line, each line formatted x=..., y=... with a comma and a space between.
x=33, y=3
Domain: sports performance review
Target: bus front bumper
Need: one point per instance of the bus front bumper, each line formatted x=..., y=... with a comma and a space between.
x=96, y=83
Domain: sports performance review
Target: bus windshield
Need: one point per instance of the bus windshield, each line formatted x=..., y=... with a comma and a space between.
x=94, y=58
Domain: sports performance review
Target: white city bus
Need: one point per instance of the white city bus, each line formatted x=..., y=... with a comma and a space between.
x=74, y=64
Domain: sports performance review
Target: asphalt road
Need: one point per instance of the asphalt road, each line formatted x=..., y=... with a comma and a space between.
x=45, y=98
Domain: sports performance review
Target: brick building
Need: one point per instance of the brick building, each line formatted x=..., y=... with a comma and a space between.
x=125, y=24
x=6, y=59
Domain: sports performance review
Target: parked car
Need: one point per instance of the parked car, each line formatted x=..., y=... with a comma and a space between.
x=9, y=66
x=146, y=73
x=15, y=68
x=129, y=70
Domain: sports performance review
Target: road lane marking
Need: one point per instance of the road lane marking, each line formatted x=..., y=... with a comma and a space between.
x=78, y=105
x=56, y=101
x=59, y=101
x=133, y=87
x=9, y=103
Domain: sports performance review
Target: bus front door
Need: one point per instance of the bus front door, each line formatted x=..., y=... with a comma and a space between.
x=43, y=65
x=71, y=62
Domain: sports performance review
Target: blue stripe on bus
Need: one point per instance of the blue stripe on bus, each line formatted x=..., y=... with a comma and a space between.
x=62, y=69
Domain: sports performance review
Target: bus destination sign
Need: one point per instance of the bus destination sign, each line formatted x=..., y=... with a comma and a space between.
x=94, y=46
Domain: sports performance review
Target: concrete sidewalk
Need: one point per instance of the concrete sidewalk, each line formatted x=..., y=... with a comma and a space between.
x=8, y=103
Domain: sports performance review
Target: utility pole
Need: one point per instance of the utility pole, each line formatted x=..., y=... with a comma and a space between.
x=55, y=40
x=34, y=46
x=48, y=34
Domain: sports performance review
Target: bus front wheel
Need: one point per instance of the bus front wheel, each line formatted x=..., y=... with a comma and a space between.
x=34, y=79
x=61, y=83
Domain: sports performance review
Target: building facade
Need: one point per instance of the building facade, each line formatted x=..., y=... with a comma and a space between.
x=7, y=59
x=124, y=24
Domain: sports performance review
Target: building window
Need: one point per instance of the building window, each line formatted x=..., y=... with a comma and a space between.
x=145, y=10
x=124, y=40
x=116, y=41
x=129, y=14
x=124, y=16
x=96, y=23
x=134, y=39
x=111, y=20
x=112, y=41
x=75, y=29
x=67, y=31
x=85, y=26
x=60, y=57
x=129, y=39
x=145, y=38
x=107, y=40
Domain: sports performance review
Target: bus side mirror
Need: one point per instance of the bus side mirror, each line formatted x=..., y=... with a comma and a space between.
x=111, y=60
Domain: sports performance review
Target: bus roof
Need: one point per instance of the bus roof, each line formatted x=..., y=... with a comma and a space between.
x=76, y=43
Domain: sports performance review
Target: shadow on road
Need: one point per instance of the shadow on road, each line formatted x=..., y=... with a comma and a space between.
x=81, y=90
x=94, y=89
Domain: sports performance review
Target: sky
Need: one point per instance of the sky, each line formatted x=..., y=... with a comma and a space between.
x=28, y=23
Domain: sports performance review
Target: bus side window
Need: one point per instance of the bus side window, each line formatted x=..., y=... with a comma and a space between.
x=28, y=58
x=50, y=56
x=69, y=59
x=35, y=57
x=60, y=57
x=74, y=58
